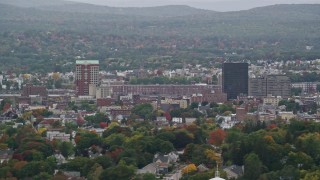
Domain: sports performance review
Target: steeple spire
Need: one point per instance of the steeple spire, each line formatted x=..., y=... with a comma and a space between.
x=217, y=173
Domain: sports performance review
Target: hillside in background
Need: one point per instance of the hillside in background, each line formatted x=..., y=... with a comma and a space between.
x=73, y=7
x=216, y=5
x=161, y=11
x=35, y=3
x=38, y=31
x=184, y=19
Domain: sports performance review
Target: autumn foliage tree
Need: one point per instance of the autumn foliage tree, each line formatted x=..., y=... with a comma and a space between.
x=189, y=169
x=212, y=155
x=5, y=105
x=216, y=137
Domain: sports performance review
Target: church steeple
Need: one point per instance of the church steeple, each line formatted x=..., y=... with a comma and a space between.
x=217, y=173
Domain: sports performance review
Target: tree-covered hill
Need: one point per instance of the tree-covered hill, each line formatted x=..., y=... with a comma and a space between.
x=160, y=11
x=35, y=3
x=62, y=32
x=75, y=7
x=183, y=19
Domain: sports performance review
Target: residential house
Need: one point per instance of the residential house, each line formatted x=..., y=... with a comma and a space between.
x=58, y=136
x=177, y=120
x=150, y=168
x=202, y=168
x=286, y=115
x=164, y=161
x=5, y=155
x=60, y=158
x=161, y=119
x=234, y=171
x=173, y=176
x=190, y=120
x=226, y=122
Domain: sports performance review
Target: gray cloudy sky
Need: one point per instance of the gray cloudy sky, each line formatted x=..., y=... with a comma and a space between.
x=219, y=5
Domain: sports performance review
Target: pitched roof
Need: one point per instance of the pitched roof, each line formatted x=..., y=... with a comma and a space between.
x=161, y=158
x=150, y=168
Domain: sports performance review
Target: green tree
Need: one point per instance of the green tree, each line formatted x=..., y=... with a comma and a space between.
x=313, y=175
x=119, y=172
x=115, y=139
x=165, y=147
x=289, y=172
x=114, y=128
x=104, y=161
x=81, y=164
x=35, y=168
x=225, y=107
x=5, y=102
x=291, y=105
x=96, y=119
x=310, y=144
x=300, y=159
x=95, y=172
x=166, y=136
x=42, y=176
x=182, y=138
x=194, y=105
x=195, y=153
x=87, y=106
x=149, y=176
x=252, y=167
x=213, y=105
x=144, y=111
x=86, y=140
x=66, y=148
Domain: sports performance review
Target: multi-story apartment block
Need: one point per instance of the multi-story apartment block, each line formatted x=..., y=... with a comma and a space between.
x=307, y=87
x=29, y=89
x=208, y=92
x=87, y=72
x=258, y=87
x=278, y=85
x=275, y=85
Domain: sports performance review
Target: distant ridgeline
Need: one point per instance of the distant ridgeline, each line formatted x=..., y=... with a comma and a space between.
x=34, y=37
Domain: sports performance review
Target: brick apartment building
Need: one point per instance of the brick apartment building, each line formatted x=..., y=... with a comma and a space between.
x=208, y=92
x=87, y=72
x=29, y=89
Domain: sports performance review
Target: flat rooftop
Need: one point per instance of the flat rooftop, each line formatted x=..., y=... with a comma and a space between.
x=87, y=61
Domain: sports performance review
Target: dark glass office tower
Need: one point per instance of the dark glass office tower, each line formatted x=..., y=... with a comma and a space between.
x=235, y=79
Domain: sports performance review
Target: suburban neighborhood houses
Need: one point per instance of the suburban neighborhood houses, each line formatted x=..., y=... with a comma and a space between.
x=93, y=116
x=172, y=92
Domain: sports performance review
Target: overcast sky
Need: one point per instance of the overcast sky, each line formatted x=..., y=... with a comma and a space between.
x=218, y=5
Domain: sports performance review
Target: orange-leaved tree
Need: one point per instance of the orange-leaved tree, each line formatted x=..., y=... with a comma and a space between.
x=216, y=137
x=189, y=169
